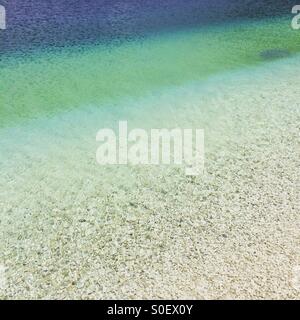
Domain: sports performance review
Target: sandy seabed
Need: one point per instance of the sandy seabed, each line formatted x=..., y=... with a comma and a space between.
x=73, y=230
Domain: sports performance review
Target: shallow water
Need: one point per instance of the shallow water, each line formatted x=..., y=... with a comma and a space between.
x=54, y=100
x=34, y=24
x=50, y=81
x=71, y=228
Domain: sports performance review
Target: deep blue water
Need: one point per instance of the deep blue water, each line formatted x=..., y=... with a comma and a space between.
x=39, y=23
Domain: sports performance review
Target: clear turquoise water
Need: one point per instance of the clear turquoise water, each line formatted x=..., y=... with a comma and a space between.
x=48, y=82
x=62, y=214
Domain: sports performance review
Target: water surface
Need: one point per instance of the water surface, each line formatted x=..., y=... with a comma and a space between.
x=57, y=56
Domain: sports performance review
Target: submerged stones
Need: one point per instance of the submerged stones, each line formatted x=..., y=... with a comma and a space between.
x=274, y=54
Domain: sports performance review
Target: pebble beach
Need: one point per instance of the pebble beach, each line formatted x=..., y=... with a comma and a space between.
x=73, y=229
